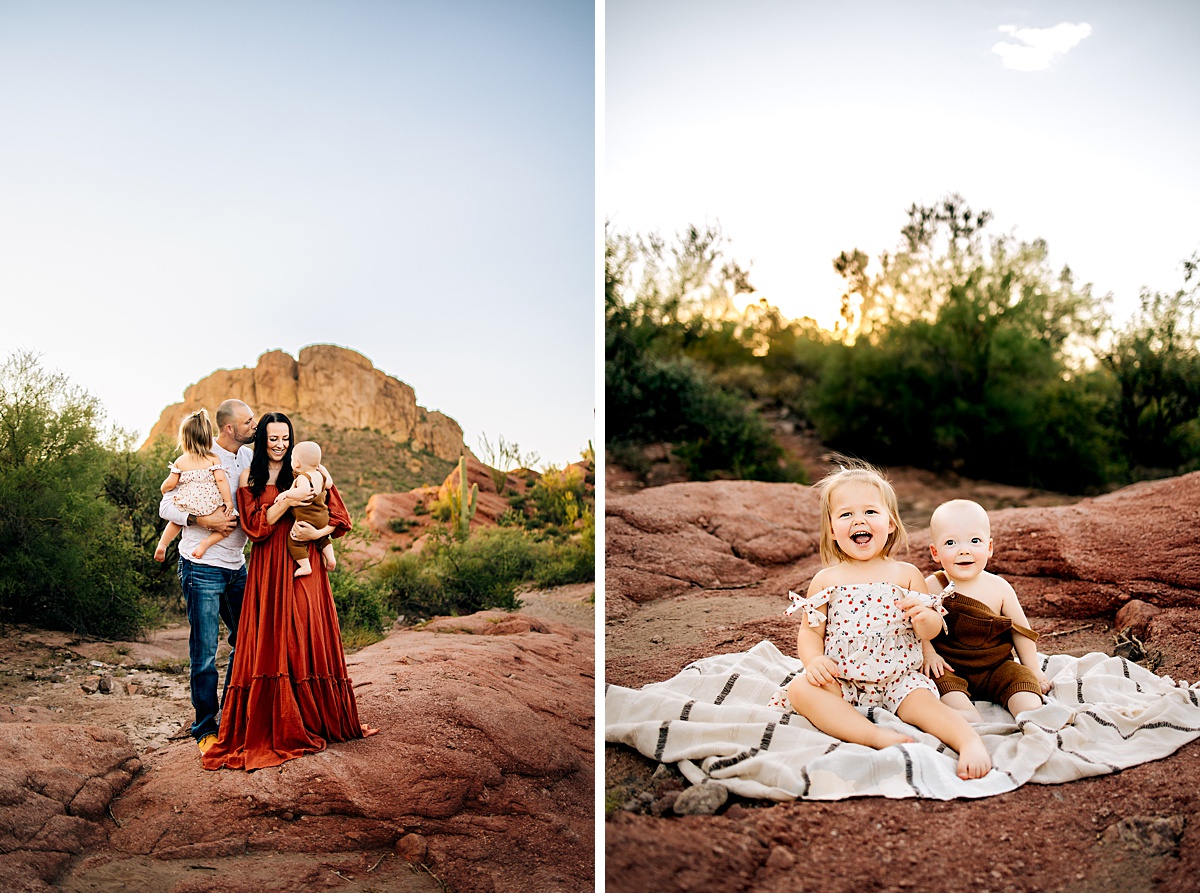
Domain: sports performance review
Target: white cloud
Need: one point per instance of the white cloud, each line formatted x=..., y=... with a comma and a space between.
x=1039, y=45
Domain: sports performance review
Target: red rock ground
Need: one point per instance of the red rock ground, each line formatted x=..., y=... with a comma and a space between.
x=480, y=781
x=697, y=569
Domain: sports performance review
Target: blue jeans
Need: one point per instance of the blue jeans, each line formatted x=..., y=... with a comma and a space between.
x=212, y=594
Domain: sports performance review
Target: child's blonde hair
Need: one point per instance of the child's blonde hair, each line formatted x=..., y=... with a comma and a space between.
x=858, y=472
x=196, y=434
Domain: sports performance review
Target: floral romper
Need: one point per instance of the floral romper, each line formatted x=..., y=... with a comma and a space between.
x=877, y=653
x=197, y=492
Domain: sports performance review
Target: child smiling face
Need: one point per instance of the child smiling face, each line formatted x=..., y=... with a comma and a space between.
x=861, y=522
x=961, y=539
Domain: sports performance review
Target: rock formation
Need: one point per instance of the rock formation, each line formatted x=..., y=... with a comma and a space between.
x=1082, y=560
x=412, y=507
x=482, y=771
x=326, y=385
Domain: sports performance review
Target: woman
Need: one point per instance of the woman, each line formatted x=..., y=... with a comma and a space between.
x=289, y=693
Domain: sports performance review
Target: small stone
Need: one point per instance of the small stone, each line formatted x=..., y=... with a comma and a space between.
x=1153, y=835
x=412, y=848
x=656, y=640
x=662, y=771
x=781, y=858
x=90, y=685
x=702, y=799
x=1135, y=616
x=664, y=804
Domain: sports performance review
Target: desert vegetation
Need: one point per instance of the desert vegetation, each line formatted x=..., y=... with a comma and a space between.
x=959, y=349
x=79, y=521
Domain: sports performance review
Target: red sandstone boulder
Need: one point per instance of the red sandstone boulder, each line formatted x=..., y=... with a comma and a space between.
x=56, y=785
x=721, y=535
x=412, y=509
x=482, y=770
x=1081, y=560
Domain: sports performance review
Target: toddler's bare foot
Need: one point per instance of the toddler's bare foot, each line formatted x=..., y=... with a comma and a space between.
x=302, y=571
x=974, y=761
x=160, y=554
x=882, y=738
x=199, y=551
x=368, y=731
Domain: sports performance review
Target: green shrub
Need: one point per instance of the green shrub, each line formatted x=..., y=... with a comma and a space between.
x=411, y=586
x=441, y=511
x=361, y=606
x=67, y=559
x=453, y=576
x=716, y=433
x=510, y=518
x=401, y=525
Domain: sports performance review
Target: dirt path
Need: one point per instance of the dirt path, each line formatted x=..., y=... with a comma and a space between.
x=140, y=688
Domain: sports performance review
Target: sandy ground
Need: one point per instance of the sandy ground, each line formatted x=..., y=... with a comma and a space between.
x=141, y=688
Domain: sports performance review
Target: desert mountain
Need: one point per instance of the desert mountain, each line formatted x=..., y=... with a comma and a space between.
x=328, y=386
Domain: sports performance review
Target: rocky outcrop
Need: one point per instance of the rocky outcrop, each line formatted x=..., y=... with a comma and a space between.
x=1081, y=560
x=325, y=385
x=56, y=785
x=486, y=746
x=412, y=508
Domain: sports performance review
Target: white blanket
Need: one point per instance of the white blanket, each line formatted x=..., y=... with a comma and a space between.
x=1103, y=714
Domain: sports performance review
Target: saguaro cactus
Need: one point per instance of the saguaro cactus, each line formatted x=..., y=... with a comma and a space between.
x=462, y=503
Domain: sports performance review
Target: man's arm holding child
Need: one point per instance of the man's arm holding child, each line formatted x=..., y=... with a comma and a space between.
x=219, y=520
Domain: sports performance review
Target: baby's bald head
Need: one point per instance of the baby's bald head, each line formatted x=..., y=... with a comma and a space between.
x=959, y=512
x=306, y=454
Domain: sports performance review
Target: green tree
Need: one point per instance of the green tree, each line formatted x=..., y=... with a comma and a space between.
x=66, y=559
x=1155, y=361
x=670, y=319
x=131, y=486
x=957, y=352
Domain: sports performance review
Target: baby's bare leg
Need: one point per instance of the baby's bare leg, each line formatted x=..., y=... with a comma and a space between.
x=213, y=537
x=825, y=708
x=303, y=568
x=961, y=702
x=169, y=533
x=330, y=558
x=1020, y=701
x=922, y=709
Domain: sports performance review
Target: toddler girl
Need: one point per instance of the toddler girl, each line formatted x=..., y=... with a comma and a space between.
x=862, y=619
x=199, y=482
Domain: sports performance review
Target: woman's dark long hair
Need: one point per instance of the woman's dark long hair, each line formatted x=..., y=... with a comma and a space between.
x=259, y=472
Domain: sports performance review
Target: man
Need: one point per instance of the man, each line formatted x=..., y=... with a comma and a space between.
x=213, y=585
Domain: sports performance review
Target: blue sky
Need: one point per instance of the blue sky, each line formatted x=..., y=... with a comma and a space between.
x=807, y=128
x=185, y=185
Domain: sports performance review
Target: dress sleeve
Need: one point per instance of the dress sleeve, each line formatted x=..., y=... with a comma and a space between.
x=339, y=517
x=253, y=513
x=933, y=601
x=811, y=615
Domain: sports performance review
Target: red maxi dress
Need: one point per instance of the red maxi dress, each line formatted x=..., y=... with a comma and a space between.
x=289, y=693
